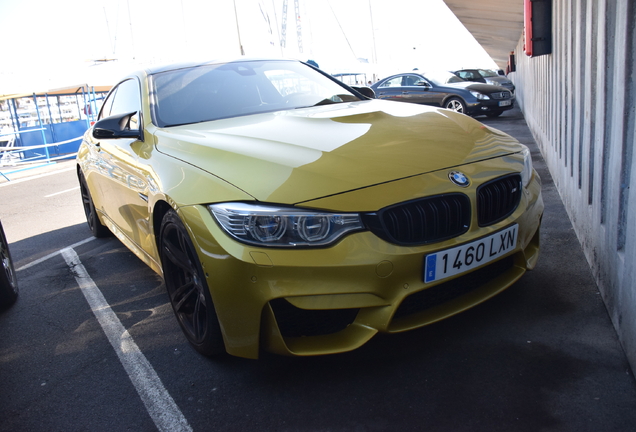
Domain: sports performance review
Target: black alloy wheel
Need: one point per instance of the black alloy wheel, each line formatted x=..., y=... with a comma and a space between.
x=187, y=287
x=94, y=224
x=456, y=105
x=8, y=279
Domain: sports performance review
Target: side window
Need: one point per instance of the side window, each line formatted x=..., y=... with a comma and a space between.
x=127, y=99
x=413, y=80
x=108, y=104
x=393, y=82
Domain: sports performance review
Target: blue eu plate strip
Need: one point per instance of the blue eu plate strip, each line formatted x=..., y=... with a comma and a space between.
x=431, y=264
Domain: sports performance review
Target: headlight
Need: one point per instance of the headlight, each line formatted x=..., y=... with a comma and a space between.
x=272, y=226
x=479, y=96
x=526, y=174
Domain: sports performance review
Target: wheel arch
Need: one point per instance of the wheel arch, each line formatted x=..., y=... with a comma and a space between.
x=453, y=96
x=168, y=221
x=80, y=173
x=95, y=217
x=159, y=211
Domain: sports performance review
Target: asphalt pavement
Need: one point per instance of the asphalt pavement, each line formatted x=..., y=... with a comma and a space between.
x=541, y=356
x=19, y=173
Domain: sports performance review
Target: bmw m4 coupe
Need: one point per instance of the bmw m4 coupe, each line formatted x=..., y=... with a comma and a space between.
x=291, y=213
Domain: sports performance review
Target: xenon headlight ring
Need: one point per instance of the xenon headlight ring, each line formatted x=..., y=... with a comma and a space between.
x=281, y=226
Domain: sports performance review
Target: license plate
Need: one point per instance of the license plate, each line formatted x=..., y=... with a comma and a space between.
x=468, y=256
x=504, y=103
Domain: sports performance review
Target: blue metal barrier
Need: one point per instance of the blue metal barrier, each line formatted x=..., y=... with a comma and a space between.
x=59, y=135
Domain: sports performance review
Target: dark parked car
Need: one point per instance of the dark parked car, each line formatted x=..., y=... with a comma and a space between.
x=8, y=281
x=485, y=76
x=446, y=90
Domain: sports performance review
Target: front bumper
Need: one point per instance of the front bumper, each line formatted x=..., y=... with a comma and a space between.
x=488, y=106
x=323, y=301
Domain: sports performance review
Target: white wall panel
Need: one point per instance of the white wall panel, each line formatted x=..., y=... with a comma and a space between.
x=580, y=104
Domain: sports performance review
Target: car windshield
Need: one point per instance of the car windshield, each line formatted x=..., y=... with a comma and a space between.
x=487, y=73
x=441, y=78
x=216, y=91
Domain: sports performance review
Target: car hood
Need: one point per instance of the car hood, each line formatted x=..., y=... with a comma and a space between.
x=293, y=156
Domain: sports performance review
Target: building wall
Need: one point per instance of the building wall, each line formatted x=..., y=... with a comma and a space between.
x=579, y=103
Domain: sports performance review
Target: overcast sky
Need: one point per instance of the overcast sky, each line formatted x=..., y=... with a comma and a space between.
x=53, y=43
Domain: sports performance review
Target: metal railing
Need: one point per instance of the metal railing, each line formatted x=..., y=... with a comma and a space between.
x=21, y=153
x=11, y=156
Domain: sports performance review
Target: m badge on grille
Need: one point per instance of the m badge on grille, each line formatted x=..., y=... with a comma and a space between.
x=459, y=178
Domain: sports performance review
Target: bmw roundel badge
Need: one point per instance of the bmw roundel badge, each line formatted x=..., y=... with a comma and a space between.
x=459, y=178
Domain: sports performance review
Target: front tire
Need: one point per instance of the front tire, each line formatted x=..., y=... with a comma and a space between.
x=456, y=105
x=188, y=290
x=94, y=224
x=8, y=279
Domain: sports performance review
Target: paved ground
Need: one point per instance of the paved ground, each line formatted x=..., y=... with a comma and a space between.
x=16, y=173
x=541, y=356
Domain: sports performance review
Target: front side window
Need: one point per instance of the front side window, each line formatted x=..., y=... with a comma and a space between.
x=126, y=100
x=216, y=91
x=414, y=80
x=108, y=104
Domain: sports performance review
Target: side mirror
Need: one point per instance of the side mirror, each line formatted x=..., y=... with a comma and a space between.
x=423, y=84
x=117, y=126
x=366, y=91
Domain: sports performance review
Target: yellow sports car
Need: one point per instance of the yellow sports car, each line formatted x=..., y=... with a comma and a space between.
x=289, y=212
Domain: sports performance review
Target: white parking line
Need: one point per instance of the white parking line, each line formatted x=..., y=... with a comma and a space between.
x=21, y=180
x=51, y=255
x=64, y=191
x=160, y=405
